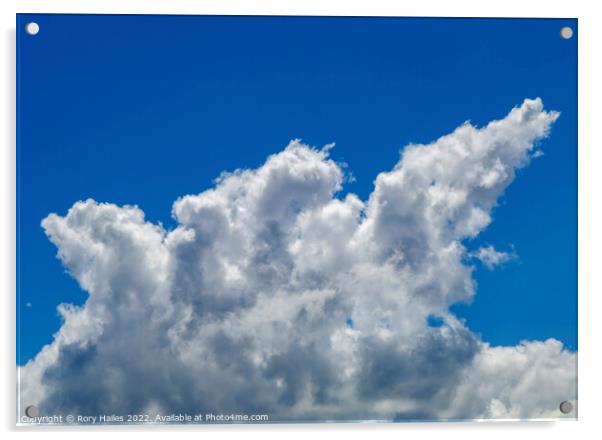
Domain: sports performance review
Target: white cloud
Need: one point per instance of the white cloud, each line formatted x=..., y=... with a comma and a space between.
x=491, y=257
x=519, y=382
x=273, y=295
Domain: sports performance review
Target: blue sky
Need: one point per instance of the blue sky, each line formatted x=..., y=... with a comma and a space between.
x=141, y=110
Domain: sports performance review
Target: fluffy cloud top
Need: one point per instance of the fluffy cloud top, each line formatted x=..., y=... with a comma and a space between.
x=275, y=296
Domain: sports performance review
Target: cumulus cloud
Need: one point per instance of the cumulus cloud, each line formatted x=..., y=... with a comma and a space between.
x=276, y=295
x=490, y=257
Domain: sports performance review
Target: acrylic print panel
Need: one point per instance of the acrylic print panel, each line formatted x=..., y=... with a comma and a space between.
x=296, y=219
